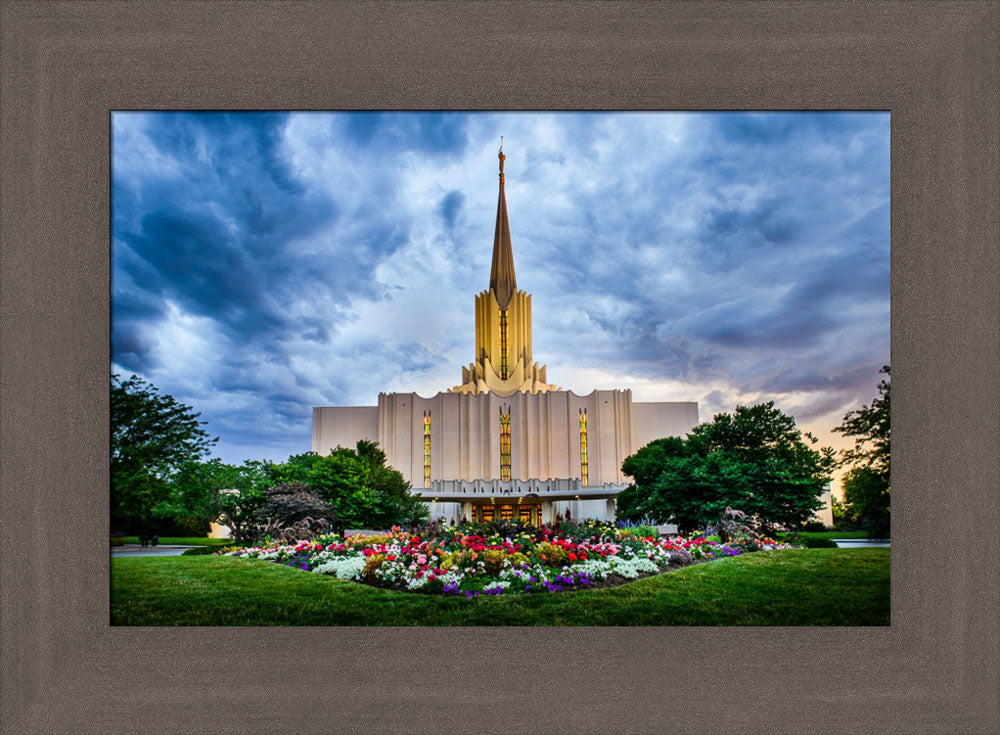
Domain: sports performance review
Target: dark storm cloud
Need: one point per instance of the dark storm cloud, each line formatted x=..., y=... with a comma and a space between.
x=437, y=133
x=451, y=205
x=215, y=241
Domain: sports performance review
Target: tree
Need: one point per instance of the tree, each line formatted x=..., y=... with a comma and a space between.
x=754, y=460
x=152, y=435
x=867, y=484
x=194, y=491
x=364, y=491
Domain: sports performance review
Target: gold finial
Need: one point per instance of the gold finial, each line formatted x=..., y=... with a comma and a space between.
x=501, y=156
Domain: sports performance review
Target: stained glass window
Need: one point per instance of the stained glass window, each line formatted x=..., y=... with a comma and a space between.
x=583, y=447
x=504, y=369
x=505, y=446
x=427, y=448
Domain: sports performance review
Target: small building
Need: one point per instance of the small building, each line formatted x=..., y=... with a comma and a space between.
x=505, y=443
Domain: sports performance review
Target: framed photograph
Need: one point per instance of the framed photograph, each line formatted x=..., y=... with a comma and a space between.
x=931, y=69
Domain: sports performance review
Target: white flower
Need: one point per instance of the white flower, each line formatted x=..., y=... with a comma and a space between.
x=346, y=567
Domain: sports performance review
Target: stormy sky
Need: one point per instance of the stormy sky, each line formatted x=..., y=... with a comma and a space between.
x=266, y=263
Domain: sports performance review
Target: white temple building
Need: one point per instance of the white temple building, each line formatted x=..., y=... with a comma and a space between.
x=505, y=443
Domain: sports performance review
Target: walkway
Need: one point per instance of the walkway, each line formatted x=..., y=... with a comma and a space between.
x=857, y=543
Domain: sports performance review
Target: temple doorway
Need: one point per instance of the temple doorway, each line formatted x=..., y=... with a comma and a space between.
x=527, y=513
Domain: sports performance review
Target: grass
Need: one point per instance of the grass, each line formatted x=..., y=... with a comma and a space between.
x=795, y=587
x=183, y=541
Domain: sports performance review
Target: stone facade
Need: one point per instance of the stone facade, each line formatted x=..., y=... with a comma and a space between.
x=465, y=433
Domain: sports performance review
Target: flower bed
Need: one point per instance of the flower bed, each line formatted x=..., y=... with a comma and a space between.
x=470, y=562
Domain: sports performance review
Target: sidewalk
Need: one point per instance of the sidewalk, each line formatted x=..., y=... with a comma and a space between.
x=857, y=543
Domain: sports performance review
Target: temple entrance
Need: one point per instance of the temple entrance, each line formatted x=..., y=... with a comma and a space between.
x=527, y=513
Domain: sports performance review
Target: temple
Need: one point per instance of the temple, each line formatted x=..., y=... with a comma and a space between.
x=505, y=443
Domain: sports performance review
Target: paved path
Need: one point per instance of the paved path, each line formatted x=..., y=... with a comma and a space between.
x=139, y=550
x=857, y=543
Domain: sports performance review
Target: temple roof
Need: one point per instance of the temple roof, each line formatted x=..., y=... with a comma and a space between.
x=502, y=272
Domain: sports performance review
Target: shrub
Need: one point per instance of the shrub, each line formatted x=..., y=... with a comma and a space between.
x=363, y=541
x=551, y=555
x=638, y=531
x=519, y=559
x=813, y=526
x=681, y=557
x=372, y=565
x=817, y=543
x=494, y=559
x=464, y=558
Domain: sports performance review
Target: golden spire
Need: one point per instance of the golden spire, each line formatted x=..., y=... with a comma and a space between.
x=502, y=271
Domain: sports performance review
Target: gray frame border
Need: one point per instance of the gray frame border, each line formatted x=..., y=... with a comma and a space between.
x=65, y=65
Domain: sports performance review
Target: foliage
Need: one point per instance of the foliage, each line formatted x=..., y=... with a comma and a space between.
x=799, y=587
x=239, y=503
x=817, y=543
x=866, y=500
x=294, y=470
x=867, y=484
x=152, y=435
x=755, y=460
x=813, y=526
x=732, y=526
x=364, y=491
x=291, y=512
x=870, y=427
x=194, y=491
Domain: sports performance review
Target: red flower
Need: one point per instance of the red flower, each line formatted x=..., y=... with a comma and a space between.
x=390, y=557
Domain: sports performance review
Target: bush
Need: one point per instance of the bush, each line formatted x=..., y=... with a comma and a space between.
x=494, y=559
x=372, y=565
x=813, y=526
x=551, y=555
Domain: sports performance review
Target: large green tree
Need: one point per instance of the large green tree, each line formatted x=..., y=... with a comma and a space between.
x=365, y=492
x=867, y=484
x=152, y=436
x=755, y=460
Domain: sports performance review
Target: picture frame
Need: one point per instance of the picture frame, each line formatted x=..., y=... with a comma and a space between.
x=66, y=66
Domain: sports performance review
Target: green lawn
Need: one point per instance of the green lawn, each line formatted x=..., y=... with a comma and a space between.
x=184, y=541
x=796, y=587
